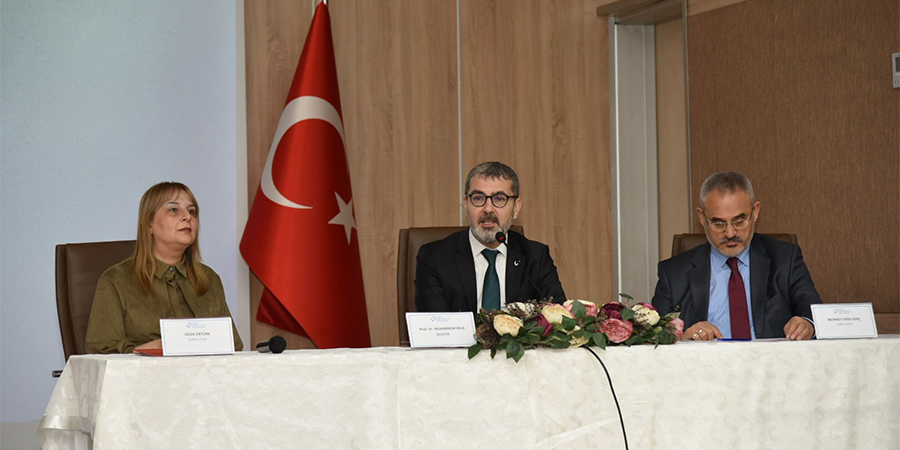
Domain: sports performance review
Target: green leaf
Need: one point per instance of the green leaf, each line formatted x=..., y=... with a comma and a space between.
x=578, y=309
x=600, y=340
x=512, y=349
x=559, y=344
x=568, y=324
x=635, y=339
x=519, y=354
x=493, y=352
x=530, y=324
x=627, y=297
x=664, y=337
x=627, y=313
x=538, y=330
x=473, y=350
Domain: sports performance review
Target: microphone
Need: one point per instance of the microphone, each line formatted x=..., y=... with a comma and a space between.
x=275, y=344
x=501, y=238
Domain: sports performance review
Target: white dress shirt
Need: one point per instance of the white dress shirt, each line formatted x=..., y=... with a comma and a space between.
x=481, y=266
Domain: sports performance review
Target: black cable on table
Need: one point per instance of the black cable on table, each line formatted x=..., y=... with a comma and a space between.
x=621, y=420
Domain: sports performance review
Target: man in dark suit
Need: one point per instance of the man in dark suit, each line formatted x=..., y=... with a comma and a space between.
x=738, y=285
x=470, y=269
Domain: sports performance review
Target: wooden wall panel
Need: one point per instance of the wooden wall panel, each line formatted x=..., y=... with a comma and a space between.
x=397, y=66
x=535, y=92
x=274, y=33
x=702, y=6
x=797, y=95
x=535, y=95
x=671, y=135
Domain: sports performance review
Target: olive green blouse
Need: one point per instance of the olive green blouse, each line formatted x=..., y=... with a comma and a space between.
x=124, y=315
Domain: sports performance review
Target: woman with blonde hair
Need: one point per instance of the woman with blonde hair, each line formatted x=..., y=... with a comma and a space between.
x=162, y=279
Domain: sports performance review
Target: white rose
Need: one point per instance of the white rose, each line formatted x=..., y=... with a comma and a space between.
x=645, y=316
x=555, y=313
x=576, y=342
x=506, y=324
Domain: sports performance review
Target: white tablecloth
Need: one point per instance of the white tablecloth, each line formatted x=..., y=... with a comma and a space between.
x=761, y=394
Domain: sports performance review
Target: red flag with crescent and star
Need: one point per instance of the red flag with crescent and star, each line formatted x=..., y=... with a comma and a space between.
x=300, y=239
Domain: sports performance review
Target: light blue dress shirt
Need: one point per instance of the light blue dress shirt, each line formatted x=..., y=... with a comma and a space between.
x=719, y=313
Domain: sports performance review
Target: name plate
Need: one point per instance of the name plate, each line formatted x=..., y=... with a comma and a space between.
x=441, y=329
x=206, y=336
x=844, y=321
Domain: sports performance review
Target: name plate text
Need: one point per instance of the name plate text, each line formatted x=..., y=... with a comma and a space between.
x=844, y=321
x=206, y=336
x=441, y=329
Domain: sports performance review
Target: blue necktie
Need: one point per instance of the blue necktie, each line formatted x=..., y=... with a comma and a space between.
x=490, y=294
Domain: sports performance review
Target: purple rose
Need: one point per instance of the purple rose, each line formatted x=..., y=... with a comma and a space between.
x=617, y=330
x=543, y=322
x=612, y=309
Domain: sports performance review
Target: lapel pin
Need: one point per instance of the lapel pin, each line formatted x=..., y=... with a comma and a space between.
x=516, y=263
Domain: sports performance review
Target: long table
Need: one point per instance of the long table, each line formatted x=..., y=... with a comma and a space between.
x=760, y=394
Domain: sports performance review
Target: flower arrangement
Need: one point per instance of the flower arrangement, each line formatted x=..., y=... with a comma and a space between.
x=524, y=325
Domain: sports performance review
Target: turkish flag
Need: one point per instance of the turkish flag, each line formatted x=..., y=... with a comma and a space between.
x=300, y=239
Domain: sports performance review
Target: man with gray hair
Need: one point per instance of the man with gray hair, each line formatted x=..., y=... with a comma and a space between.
x=470, y=269
x=740, y=285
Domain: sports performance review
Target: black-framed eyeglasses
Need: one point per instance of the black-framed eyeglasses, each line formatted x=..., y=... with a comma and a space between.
x=499, y=200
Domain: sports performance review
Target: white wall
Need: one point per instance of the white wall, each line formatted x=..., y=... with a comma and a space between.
x=99, y=100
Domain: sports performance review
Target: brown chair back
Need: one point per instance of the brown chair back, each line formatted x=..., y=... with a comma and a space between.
x=684, y=242
x=78, y=268
x=411, y=239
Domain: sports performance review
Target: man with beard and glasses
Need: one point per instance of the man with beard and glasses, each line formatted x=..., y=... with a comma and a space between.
x=739, y=285
x=470, y=269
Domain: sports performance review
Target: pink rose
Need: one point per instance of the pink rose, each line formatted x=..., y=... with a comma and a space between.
x=676, y=327
x=612, y=309
x=617, y=330
x=543, y=322
x=647, y=305
x=590, y=308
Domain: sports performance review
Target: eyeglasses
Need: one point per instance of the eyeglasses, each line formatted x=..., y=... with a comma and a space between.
x=499, y=200
x=721, y=225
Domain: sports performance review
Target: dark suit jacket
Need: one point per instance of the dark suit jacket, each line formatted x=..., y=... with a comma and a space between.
x=780, y=285
x=445, y=273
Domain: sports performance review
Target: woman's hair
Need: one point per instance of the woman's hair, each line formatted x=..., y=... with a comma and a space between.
x=143, y=263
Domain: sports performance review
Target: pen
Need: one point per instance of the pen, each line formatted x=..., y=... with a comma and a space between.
x=732, y=339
